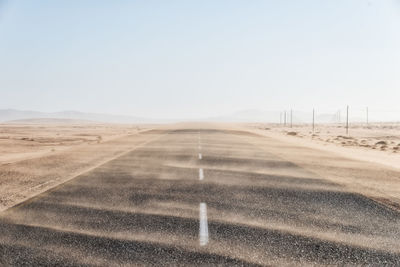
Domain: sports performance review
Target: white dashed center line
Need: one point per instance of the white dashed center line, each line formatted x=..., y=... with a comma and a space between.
x=201, y=174
x=203, y=232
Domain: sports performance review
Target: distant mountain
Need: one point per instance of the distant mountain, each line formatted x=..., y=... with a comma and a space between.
x=51, y=121
x=13, y=115
x=248, y=115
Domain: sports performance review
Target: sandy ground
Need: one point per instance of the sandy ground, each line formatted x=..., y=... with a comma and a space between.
x=34, y=158
x=250, y=200
x=23, y=141
x=383, y=137
x=366, y=161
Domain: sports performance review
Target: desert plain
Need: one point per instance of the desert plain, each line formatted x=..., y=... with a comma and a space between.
x=365, y=158
x=198, y=194
x=36, y=155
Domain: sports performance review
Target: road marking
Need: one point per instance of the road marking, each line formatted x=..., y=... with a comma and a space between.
x=200, y=156
x=201, y=174
x=203, y=232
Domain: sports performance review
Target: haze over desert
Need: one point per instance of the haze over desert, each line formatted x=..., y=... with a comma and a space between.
x=199, y=133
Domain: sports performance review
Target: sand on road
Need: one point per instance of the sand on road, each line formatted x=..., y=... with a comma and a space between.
x=252, y=206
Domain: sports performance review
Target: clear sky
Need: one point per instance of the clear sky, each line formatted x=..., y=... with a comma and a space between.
x=189, y=59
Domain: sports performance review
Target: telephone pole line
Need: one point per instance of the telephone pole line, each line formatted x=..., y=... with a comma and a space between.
x=284, y=119
x=313, y=120
x=347, y=121
x=291, y=118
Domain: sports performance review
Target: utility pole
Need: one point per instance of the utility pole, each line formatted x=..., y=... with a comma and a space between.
x=291, y=118
x=347, y=121
x=280, y=118
x=367, y=117
x=313, y=120
x=285, y=119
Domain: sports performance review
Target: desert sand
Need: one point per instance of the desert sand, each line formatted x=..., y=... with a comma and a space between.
x=248, y=200
x=376, y=136
x=36, y=157
x=366, y=161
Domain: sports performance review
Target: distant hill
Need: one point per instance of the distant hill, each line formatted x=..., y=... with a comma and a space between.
x=51, y=121
x=248, y=115
x=7, y=115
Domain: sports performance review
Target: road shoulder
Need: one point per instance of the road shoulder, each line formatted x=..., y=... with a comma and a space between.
x=359, y=174
x=24, y=179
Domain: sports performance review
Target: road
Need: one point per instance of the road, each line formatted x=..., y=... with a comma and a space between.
x=199, y=197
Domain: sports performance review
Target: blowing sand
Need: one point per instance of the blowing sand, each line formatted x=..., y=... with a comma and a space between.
x=34, y=158
x=366, y=161
x=24, y=141
x=377, y=143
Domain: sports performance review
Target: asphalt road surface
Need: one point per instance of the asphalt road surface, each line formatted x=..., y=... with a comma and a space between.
x=199, y=197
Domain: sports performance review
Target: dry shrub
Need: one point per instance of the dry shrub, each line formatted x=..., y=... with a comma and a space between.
x=344, y=137
x=381, y=143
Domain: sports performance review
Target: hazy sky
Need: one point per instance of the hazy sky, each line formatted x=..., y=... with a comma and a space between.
x=187, y=59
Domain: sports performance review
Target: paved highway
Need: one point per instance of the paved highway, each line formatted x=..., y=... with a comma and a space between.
x=199, y=197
